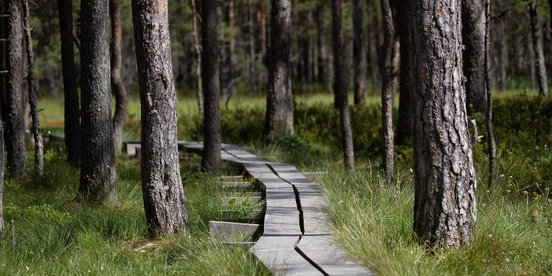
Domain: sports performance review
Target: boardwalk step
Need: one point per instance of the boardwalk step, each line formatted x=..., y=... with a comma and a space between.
x=232, y=231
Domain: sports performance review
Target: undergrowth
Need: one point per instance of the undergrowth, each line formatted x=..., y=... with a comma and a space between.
x=51, y=234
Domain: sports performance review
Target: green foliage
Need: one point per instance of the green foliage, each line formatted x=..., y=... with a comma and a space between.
x=512, y=236
x=47, y=232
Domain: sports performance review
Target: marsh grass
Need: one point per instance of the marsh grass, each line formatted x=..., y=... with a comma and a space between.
x=48, y=233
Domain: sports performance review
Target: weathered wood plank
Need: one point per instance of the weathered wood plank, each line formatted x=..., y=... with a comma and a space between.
x=324, y=251
x=279, y=256
x=281, y=221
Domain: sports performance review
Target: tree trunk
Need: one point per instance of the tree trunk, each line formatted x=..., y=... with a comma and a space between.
x=340, y=87
x=489, y=115
x=210, y=160
x=197, y=47
x=15, y=100
x=387, y=89
x=359, y=52
x=445, y=203
x=279, y=103
x=164, y=201
x=321, y=58
x=32, y=86
x=404, y=121
x=71, y=98
x=536, y=32
x=97, y=181
x=473, y=34
x=121, y=97
x=2, y=92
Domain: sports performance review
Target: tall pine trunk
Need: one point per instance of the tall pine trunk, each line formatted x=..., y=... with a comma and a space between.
x=540, y=66
x=2, y=92
x=119, y=90
x=444, y=203
x=359, y=52
x=473, y=34
x=32, y=87
x=164, y=201
x=405, y=116
x=211, y=87
x=279, y=103
x=97, y=181
x=15, y=100
x=71, y=98
x=340, y=87
x=387, y=90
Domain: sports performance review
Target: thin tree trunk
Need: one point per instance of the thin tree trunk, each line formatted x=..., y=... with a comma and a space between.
x=250, y=49
x=119, y=90
x=71, y=98
x=32, y=86
x=210, y=160
x=536, y=32
x=2, y=92
x=404, y=121
x=197, y=47
x=359, y=52
x=279, y=103
x=233, y=70
x=387, y=89
x=340, y=87
x=321, y=58
x=488, y=88
x=98, y=178
x=473, y=34
x=164, y=201
x=15, y=101
x=445, y=199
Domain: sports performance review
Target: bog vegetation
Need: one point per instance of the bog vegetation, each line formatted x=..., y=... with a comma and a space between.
x=46, y=232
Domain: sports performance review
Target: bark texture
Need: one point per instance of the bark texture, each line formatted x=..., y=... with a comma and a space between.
x=473, y=34
x=197, y=48
x=445, y=203
x=164, y=201
x=387, y=89
x=340, y=86
x=279, y=103
x=359, y=52
x=210, y=159
x=405, y=116
x=489, y=116
x=15, y=100
x=540, y=65
x=32, y=86
x=71, y=98
x=97, y=181
x=119, y=90
x=2, y=92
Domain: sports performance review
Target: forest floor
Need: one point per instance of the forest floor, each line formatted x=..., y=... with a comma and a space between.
x=48, y=233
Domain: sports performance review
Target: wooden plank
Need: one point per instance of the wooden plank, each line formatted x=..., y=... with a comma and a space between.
x=232, y=231
x=131, y=148
x=279, y=256
x=281, y=221
x=324, y=251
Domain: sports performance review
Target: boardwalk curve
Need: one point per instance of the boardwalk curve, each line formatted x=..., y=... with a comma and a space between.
x=296, y=239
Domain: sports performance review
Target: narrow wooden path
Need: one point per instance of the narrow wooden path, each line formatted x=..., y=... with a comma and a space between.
x=296, y=239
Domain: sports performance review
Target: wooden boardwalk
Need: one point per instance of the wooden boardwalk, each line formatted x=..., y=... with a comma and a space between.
x=296, y=239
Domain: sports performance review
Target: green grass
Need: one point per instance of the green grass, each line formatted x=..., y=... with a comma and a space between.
x=47, y=232
x=374, y=222
x=51, y=234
